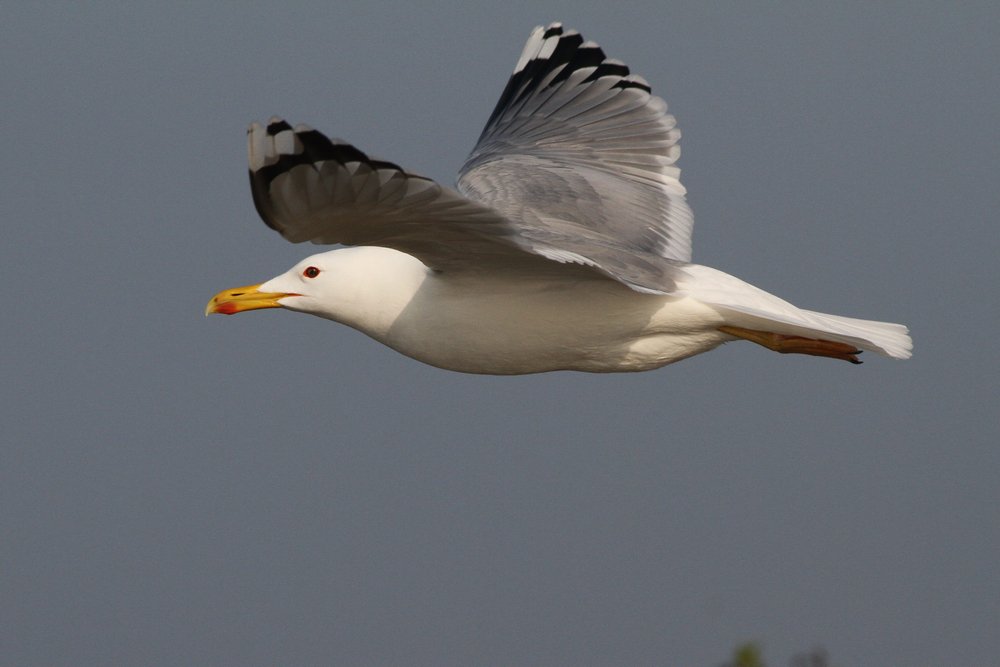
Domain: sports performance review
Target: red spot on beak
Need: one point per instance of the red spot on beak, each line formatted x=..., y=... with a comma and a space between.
x=227, y=308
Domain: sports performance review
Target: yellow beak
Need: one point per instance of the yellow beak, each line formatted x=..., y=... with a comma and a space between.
x=238, y=299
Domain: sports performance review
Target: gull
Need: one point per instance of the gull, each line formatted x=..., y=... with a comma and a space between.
x=566, y=244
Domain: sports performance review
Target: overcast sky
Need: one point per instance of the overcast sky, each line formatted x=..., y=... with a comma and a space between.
x=273, y=488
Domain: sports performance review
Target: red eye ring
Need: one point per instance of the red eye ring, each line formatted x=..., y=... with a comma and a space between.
x=311, y=272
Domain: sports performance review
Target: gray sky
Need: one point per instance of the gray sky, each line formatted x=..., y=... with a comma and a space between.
x=276, y=489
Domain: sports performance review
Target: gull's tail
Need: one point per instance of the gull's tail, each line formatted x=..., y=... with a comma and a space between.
x=747, y=307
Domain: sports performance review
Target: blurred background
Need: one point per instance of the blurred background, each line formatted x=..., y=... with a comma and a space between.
x=276, y=489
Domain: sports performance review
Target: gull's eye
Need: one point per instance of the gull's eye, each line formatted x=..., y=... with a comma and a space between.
x=311, y=272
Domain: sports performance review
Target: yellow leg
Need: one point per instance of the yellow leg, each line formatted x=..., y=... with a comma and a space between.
x=796, y=344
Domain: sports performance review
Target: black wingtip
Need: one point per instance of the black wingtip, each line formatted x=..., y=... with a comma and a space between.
x=277, y=125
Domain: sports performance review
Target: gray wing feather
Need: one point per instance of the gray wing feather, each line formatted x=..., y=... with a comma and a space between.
x=582, y=156
x=308, y=187
x=575, y=165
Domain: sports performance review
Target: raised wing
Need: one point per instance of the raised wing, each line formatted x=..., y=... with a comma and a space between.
x=311, y=188
x=581, y=153
x=575, y=165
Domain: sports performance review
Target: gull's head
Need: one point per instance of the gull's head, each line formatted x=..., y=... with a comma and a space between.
x=314, y=286
x=363, y=287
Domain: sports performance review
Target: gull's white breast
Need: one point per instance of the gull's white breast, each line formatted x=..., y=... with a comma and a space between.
x=512, y=323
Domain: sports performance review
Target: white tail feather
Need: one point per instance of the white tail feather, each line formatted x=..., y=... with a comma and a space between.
x=744, y=305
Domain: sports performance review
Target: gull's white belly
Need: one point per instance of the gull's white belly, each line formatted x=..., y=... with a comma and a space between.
x=532, y=327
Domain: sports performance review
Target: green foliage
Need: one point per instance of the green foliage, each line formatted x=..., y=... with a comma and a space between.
x=747, y=655
x=750, y=654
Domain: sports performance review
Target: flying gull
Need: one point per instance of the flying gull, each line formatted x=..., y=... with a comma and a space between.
x=566, y=244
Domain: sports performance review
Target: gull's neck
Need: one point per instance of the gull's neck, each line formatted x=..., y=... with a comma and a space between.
x=373, y=286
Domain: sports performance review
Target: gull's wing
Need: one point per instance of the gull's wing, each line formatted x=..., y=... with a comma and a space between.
x=308, y=187
x=575, y=165
x=581, y=154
